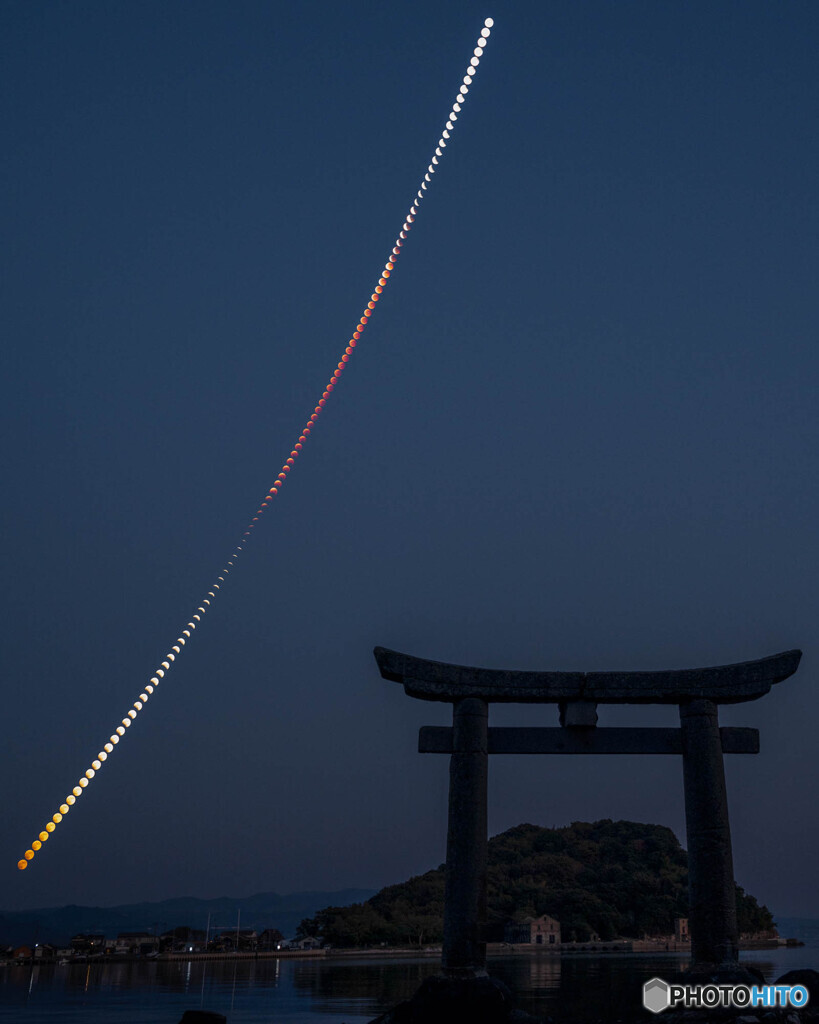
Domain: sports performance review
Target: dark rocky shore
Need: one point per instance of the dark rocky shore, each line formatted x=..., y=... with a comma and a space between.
x=449, y=1001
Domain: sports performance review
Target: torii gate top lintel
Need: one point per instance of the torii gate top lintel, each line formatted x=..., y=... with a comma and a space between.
x=722, y=684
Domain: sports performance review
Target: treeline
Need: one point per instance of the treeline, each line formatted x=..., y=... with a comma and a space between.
x=609, y=878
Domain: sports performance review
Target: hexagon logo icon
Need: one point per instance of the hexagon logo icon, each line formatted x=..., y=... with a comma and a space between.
x=656, y=995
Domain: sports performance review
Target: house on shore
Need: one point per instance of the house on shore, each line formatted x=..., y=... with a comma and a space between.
x=136, y=944
x=271, y=939
x=182, y=939
x=231, y=941
x=91, y=943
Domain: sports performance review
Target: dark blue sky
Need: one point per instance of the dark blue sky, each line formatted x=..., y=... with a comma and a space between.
x=579, y=434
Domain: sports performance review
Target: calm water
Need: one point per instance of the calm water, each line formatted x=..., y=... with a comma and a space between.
x=582, y=987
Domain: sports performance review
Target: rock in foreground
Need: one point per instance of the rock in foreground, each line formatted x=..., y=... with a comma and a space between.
x=454, y=1001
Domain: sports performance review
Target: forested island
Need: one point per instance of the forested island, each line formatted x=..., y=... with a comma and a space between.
x=607, y=878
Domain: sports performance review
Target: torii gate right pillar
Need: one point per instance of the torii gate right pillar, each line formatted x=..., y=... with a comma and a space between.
x=712, y=896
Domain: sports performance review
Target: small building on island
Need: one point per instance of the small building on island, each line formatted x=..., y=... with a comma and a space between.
x=537, y=931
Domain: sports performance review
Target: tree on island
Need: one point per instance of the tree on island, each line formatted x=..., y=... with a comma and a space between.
x=607, y=878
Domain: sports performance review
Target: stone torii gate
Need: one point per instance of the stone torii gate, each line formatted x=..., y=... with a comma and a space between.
x=699, y=740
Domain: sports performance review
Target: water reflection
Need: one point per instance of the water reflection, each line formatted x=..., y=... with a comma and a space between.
x=544, y=973
x=357, y=986
x=576, y=988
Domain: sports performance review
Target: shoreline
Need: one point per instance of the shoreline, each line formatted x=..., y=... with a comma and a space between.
x=495, y=950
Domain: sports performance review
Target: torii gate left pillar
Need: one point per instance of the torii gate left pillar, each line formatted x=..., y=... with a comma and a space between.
x=465, y=907
x=700, y=741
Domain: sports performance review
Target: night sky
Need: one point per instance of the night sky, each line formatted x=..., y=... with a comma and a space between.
x=580, y=432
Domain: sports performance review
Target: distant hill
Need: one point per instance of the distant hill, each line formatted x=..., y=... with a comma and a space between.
x=612, y=878
x=264, y=910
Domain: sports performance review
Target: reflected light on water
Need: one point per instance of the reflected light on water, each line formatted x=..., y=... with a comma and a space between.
x=544, y=973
